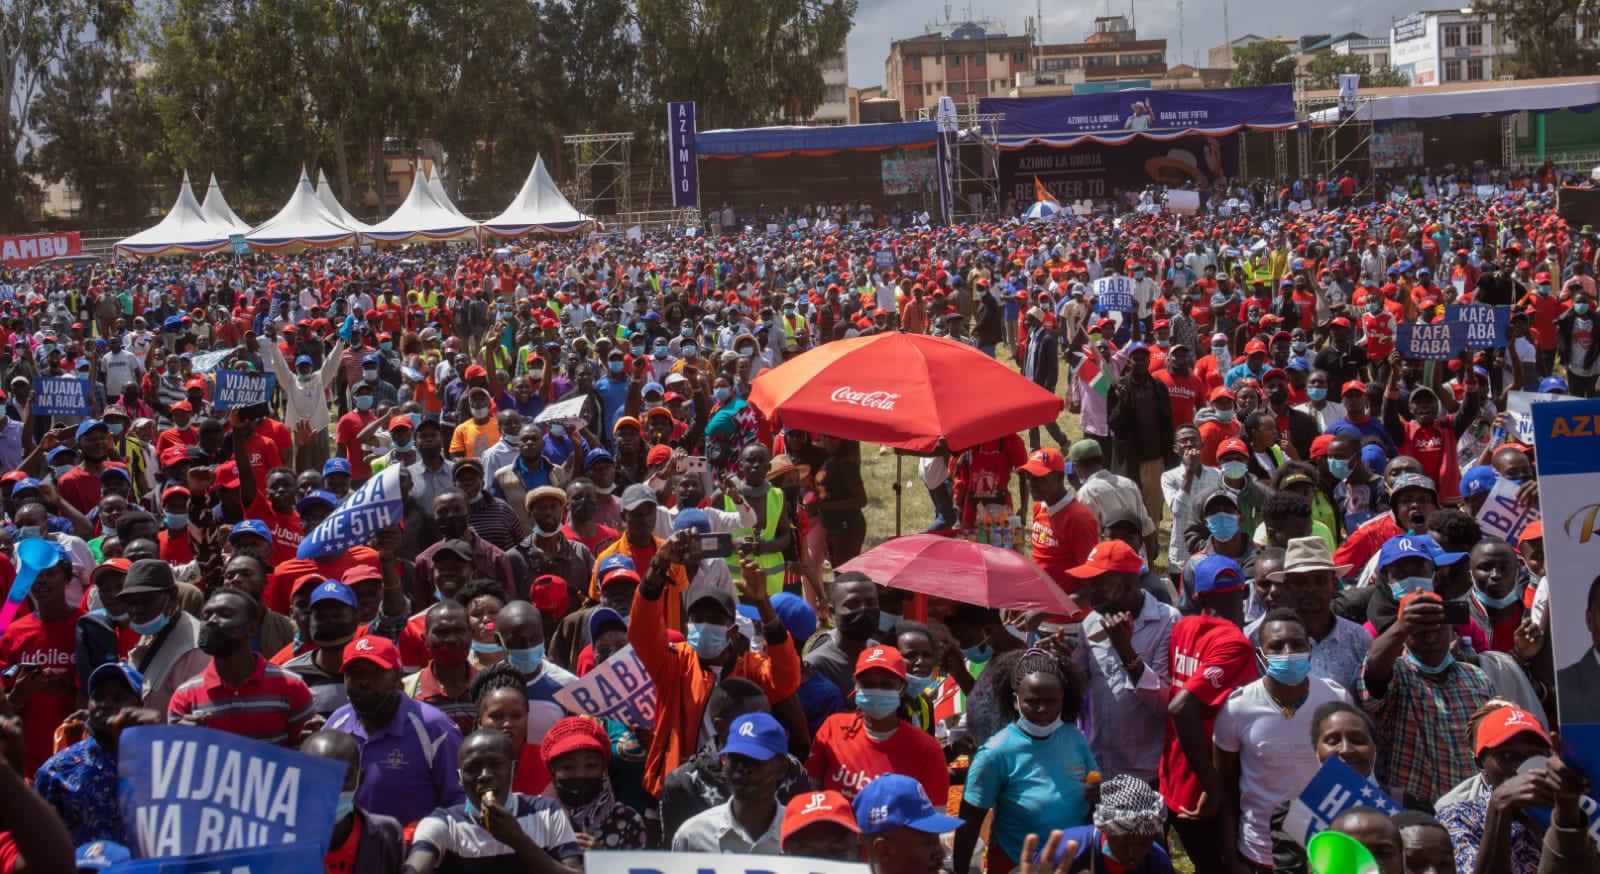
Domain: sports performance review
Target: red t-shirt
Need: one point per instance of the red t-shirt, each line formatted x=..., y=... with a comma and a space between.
x=843, y=758
x=175, y=548
x=1209, y=658
x=176, y=438
x=413, y=642
x=1061, y=538
x=278, y=433
x=49, y=645
x=285, y=527
x=350, y=425
x=263, y=455
x=79, y=488
x=1185, y=394
x=1434, y=447
x=1379, y=330
x=604, y=536
x=342, y=859
x=989, y=471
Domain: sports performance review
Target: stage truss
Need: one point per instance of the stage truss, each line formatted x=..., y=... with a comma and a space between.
x=592, y=151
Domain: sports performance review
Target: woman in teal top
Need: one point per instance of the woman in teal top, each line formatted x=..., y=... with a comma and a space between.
x=1033, y=773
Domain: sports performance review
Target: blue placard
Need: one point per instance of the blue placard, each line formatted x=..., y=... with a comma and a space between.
x=60, y=396
x=682, y=155
x=258, y=860
x=235, y=388
x=239, y=244
x=883, y=259
x=1439, y=341
x=374, y=506
x=1485, y=325
x=1114, y=294
x=1337, y=787
x=184, y=791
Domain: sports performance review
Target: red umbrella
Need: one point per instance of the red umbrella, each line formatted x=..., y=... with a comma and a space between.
x=973, y=573
x=904, y=391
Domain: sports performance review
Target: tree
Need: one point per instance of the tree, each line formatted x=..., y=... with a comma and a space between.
x=1323, y=72
x=1545, y=33
x=35, y=37
x=1263, y=63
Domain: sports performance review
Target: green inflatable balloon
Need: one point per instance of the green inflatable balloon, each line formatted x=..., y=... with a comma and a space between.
x=1331, y=852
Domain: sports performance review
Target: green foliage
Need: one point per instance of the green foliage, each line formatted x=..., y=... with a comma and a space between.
x=1545, y=36
x=1264, y=63
x=1323, y=72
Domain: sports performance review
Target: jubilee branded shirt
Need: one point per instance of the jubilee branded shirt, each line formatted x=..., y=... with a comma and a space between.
x=30, y=644
x=1210, y=658
x=845, y=758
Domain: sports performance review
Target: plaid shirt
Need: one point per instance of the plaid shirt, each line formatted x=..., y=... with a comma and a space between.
x=1465, y=821
x=1422, y=728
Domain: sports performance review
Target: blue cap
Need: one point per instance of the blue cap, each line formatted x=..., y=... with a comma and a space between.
x=127, y=672
x=1477, y=480
x=1217, y=573
x=1373, y=456
x=333, y=590
x=336, y=465
x=115, y=470
x=797, y=616
x=58, y=451
x=757, y=735
x=1404, y=546
x=653, y=387
x=597, y=455
x=599, y=617
x=1297, y=364
x=896, y=801
x=90, y=425
x=320, y=496
x=692, y=519
x=24, y=484
x=372, y=358
x=100, y=855
x=303, y=359
x=613, y=562
x=1553, y=383
x=250, y=526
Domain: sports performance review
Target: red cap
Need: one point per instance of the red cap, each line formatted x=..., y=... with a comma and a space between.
x=184, y=406
x=400, y=422
x=1232, y=445
x=120, y=565
x=381, y=651
x=1106, y=557
x=312, y=579
x=809, y=808
x=1340, y=322
x=175, y=455
x=574, y=734
x=1354, y=385
x=227, y=475
x=1255, y=346
x=360, y=573
x=885, y=658
x=549, y=594
x=476, y=370
x=174, y=491
x=1221, y=391
x=1275, y=373
x=1533, y=531
x=1044, y=461
x=1319, y=446
x=198, y=382
x=1503, y=724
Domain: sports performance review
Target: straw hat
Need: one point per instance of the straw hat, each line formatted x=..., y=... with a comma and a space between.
x=1306, y=555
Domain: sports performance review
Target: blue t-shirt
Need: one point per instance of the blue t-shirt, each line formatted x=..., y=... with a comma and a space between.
x=1033, y=786
x=613, y=395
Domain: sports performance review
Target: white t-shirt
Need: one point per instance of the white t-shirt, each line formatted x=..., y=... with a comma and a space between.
x=121, y=368
x=1276, y=758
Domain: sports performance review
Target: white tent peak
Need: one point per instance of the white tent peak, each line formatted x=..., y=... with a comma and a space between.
x=303, y=222
x=539, y=206
x=436, y=189
x=216, y=211
x=183, y=230
x=422, y=218
x=330, y=202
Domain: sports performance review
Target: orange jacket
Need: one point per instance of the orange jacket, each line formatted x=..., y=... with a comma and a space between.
x=683, y=686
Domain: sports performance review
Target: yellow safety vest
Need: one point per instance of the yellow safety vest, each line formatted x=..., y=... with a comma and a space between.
x=772, y=563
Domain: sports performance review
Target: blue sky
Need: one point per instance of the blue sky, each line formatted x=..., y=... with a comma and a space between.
x=880, y=21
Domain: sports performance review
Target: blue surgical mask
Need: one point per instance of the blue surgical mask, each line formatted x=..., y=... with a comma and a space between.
x=363, y=402
x=482, y=648
x=688, y=350
x=916, y=685
x=1339, y=468
x=706, y=639
x=614, y=366
x=386, y=345
x=1235, y=469
x=346, y=805
x=1405, y=586
x=661, y=353
x=1491, y=603
x=978, y=654
x=176, y=521
x=877, y=703
x=107, y=615
x=154, y=626
x=722, y=393
x=1432, y=670
x=525, y=660
x=26, y=532
x=370, y=374
x=1223, y=526
x=404, y=447
x=62, y=470
x=1317, y=392
x=1225, y=416
x=116, y=428
x=1580, y=308
x=1290, y=669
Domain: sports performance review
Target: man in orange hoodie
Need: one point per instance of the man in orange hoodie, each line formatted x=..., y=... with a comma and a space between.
x=686, y=673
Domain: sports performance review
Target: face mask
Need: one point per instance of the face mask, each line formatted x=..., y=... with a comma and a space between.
x=1036, y=730
x=1290, y=669
x=152, y=627
x=614, y=366
x=61, y=470
x=1223, y=526
x=557, y=429
x=1221, y=352
x=1317, y=393
x=107, y=615
x=916, y=685
x=386, y=345
x=304, y=377
x=482, y=648
x=1298, y=347
x=661, y=353
x=1403, y=587
x=579, y=791
x=1544, y=288
x=1339, y=468
x=363, y=402
x=176, y=521
x=451, y=654
x=370, y=375
x=1225, y=416
x=722, y=394
x=27, y=532
x=115, y=428
x=347, y=804
x=688, y=350
x=1580, y=308
x=877, y=703
x=686, y=332
x=526, y=660
x=332, y=634
x=978, y=654
x=1235, y=469
x=404, y=447
x=1432, y=670
x=480, y=412
x=1491, y=603
x=861, y=624
x=1278, y=397
x=217, y=641
x=708, y=641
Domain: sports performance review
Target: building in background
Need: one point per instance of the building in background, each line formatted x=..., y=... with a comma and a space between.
x=1447, y=45
x=1221, y=57
x=1113, y=53
x=959, y=59
x=1374, y=50
x=835, y=106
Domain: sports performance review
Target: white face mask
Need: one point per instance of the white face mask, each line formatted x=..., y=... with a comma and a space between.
x=1035, y=730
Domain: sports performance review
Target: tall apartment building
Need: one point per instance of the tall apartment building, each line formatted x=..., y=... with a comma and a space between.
x=1447, y=45
x=957, y=59
x=1112, y=52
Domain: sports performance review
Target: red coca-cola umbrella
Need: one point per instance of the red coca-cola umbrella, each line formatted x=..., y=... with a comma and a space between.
x=973, y=573
x=903, y=390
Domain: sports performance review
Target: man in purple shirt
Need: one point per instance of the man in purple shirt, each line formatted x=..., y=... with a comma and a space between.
x=408, y=748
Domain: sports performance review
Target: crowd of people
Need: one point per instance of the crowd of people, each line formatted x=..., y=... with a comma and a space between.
x=1260, y=514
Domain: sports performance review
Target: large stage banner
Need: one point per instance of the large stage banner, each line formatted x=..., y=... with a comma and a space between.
x=905, y=173
x=1144, y=111
x=1396, y=147
x=1094, y=170
x=682, y=154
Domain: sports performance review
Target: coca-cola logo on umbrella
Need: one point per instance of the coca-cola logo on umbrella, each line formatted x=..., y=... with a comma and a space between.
x=872, y=400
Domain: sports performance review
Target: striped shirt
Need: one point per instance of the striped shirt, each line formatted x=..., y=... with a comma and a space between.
x=496, y=522
x=271, y=705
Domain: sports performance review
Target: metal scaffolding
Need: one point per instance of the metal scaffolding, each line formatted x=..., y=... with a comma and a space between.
x=977, y=161
x=1336, y=147
x=1280, y=154
x=604, y=167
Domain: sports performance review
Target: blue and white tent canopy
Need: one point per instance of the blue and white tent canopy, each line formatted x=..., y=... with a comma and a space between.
x=538, y=208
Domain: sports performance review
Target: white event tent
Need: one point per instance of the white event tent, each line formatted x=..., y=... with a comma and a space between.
x=303, y=223
x=325, y=196
x=184, y=230
x=539, y=206
x=216, y=210
x=422, y=219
